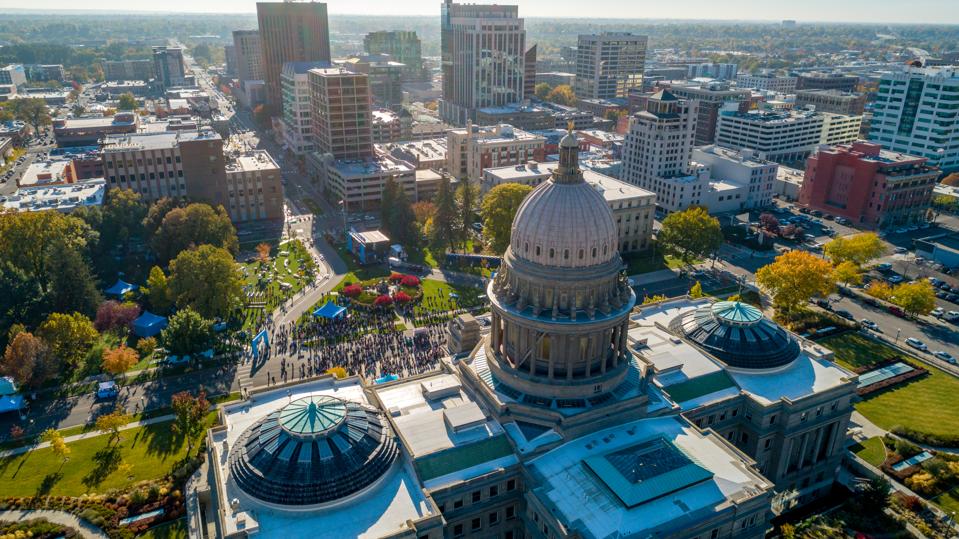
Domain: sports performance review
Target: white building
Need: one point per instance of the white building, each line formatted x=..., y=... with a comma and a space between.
x=659, y=143
x=788, y=183
x=633, y=208
x=609, y=64
x=295, y=88
x=359, y=182
x=62, y=197
x=767, y=81
x=753, y=177
x=785, y=135
x=422, y=154
x=470, y=150
x=915, y=114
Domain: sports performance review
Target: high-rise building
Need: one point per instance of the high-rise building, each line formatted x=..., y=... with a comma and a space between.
x=290, y=32
x=914, y=113
x=712, y=71
x=249, y=55
x=341, y=112
x=229, y=53
x=529, y=72
x=168, y=66
x=403, y=46
x=659, y=142
x=827, y=81
x=872, y=187
x=295, y=119
x=483, y=58
x=13, y=74
x=785, y=136
x=385, y=77
x=609, y=64
x=128, y=70
x=710, y=98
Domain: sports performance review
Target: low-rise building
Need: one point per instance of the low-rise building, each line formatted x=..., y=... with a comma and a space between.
x=835, y=101
x=389, y=126
x=872, y=187
x=818, y=80
x=788, y=183
x=63, y=198
x=785, y=136
x=710, y=97
x=53, y=171
x=254, y=187
x=767, y=81
x=138, y=88
x=116, y=70
x=942, y=248
x=52, y=98
x=525, y=116
x=13, y=74
x=45, y=72
x=422, y=154
x=633, y=208
x=87, y=131
x=752, y=178
x=475, y=148
x=428, y=184
x=359, y=182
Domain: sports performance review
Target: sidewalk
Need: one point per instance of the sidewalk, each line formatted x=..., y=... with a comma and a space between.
x=62, y=518
x=85, y=435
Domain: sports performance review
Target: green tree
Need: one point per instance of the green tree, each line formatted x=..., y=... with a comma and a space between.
x=847, y=273
x=690, y=234
x=206, y=279
x=127, y=101
x=443, y=230
x=112, y=423
x=467, y=198
x=158, y=291
x=858, y=248
x=918, y=297
x=72, y=285
x=397, y=214
x=196, y=224
x=189, y=412
x=187, y=333
x=562, y=95
x=542, y=90
x=69, y=336
x=875, y=495
x=23, y=299
x=155, y=214
x=27, y=240
x=498, y=209
x=794, y=277
x=33, y=111
x=123, y=214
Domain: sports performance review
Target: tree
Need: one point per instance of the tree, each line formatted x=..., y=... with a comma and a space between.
x=69, y=336
x=72, y=285
x=126, y=101
x=57, y=445
x=157, y=212
x=498, y=210
x=542, y=90
x=422, y=212
x=187, y=333
x=696, y=291
x=189, y=412
x=879, y=289
x=858, y=248
x=206, y=279
x=113, y=315
x=158, y=291
x=794, y=277
x=769, y=222
x=146, y=346
x=875, y=494
x=26, y=360
x=444, y=222
x=562, y=95
x=112, y=423
x=918, y=297
x=263, y=252
x=467, y=198
x=690, y=234
x=847, y=273
x=196, y=224
x=123, y=215
x=396, y=214
x=119, y=360
x=33, y=111
x=22, y=301
x=27, y=240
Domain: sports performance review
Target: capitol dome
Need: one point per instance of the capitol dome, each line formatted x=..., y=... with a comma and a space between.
x=314, y=450
x=565, y=222
x=738, y=334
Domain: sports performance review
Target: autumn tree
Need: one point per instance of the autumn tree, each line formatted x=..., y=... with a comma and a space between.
x=263, y=252
x=880, y=290
x=562, y=95
x=696, y=291
x=196, y=224
x=119, y=360
x=158, y=291
x=795, y=277
x=126, y=101
x=769, y=222
x=33, y=111
x=498, y=210
x=112, y=423
x=915, y=298
x=189, y=412
x=542, y=90
x=858, y=248
x=422, y=212
x=847, y=273
x=26, y=359
x=146, y=346
x=690, y=234
x=207, y=279
x=187, y=333
x=69, y=336
x=57, y=444
x=113, y=315
x=28, y=240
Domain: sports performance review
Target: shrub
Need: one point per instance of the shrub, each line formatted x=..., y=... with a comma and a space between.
x=383, y=300
x=352, y=291
x=922, y=482
x=396, y=277
x=410, y=281
x=402, y=297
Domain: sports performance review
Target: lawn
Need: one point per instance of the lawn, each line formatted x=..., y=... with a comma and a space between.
x=854, y=350
x=872, y=451
x=94, y=465
x=650, y=261
x=171, y=530
x=290, y=266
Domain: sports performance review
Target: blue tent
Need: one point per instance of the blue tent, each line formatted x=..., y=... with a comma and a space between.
x=120, y=288
x=148, y=324
x=330, y=310
x=10, y=399
x=386, y=378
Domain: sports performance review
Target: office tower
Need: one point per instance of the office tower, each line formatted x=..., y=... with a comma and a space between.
x=229, y=52
x=403, y=46
x=914, y=113
x=128, y=70
x=296, y=121
x=249, y=55
x=529, y=72
x=710, y=97
x=341, y=113
x=785, y=136
x=827, y=81
x=609, y=64
x=290, y=32
x=659, y=142
x=385, y=77
x=483, y=54
x=168, y=66
x=871, y=187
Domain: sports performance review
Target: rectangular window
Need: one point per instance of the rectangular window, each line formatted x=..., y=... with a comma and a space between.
x=511, y=485
x=493, y=519
x=476, y=496
x=510, y=512
x=493, y=491
x=476, y=524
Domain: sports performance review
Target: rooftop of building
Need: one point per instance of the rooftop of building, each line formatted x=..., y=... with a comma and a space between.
x=512, y=108
x=831, y=93
x=123, y=83
x=427, y=150
x=57, y=197
x=374, y=166
x=496, y=133
x=335, y=71
x=155, y=140
x=384, y=116
x=744, y=157
x=771, y=117
x=644, y=478
x=86, y=122
x=45, y=172
x=369, y=236
x=791, y=175
x=428, y=176
x=382, y=508
x=300, y=68
x=251, y=161
x=448, y=435
x=611, y=188
x=871, y=151
x=604, y=136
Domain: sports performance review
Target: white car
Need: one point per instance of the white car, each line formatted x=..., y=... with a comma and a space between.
x=901, y=250
x=945, y=356
x=937, y=312
x=917, y=344
x=869, y=324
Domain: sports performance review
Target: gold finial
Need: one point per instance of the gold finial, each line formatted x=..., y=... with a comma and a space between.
x=569, y=126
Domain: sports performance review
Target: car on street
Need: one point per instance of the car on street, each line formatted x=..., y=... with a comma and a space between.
x=869, y=324
x=894, y=279
x=845, y=314
x=937, y=312
x=917, y=344
x=945, y=356
x=951, y=316
x=107, y=390
x=901, y=250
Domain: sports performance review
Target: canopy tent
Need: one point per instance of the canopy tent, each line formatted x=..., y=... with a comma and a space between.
x=10, y=399
x=149, y=324
x=120, y=288
x=330, y=311
x=386, y=378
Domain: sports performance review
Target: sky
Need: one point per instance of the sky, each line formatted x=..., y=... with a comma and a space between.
x=884, y=11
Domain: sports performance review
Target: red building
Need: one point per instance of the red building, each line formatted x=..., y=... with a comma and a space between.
x=872, y=187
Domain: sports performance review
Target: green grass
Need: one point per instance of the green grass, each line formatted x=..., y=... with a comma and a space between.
x=171, y=530
x=94, y=466
x=855, y=351
x=358, y=272
x=948, y=501
x=650, y=261
x=697, y=387
x=872, y=451
x=460, y=458
x=277, y=272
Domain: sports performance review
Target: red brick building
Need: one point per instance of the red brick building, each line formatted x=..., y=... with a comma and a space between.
x=872, y=187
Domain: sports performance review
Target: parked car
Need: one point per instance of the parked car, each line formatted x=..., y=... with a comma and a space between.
x=917, y=344
x=845, y=314
x=945, y=356
x=869, y=324
x=901, y=250
x=894, y=279
x=885, y=266
x=951, y=316
x=896, y=310
x=937, y=312
x=107, y=390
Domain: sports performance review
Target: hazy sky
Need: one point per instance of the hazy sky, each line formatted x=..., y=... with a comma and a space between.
x=932, y=11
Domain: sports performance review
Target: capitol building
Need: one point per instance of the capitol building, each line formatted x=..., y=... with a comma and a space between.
x=578, y=414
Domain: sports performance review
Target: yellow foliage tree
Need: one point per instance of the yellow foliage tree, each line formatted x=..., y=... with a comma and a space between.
x=112, y=422
x=120, y=359
x=879, y=289
x=915, y=298
x=696, y=291
x=858, y=248
x=337, y=372
x=922, y=482
x=57, y=444
x=847, y=273
x=794, y=277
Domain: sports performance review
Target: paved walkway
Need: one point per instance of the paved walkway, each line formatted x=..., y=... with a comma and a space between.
x=85, y=435
x=87, y=530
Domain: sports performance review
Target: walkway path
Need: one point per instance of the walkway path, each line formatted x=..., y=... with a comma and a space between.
x=85, y=435
x=87, y=530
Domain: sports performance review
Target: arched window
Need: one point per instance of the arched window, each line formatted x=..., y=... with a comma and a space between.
x=594, y=252
x=551, y=252
x=526, y=247
x=581, y=253
x=537, y=250
x=566, y=254
x=604, y=249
